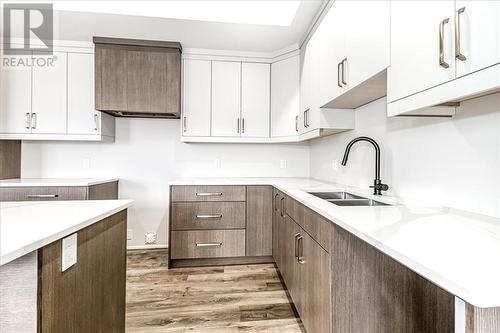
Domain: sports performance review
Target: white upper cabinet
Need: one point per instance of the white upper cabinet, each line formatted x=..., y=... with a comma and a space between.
x=197, y=80
x=49, y=97
x=255, y=99
x=54, y=101
x=82, y=117
x=478, y=35
x=422, y=46
x=367, y=33
x=15, y=99
x=226, y=97
x=285, y=97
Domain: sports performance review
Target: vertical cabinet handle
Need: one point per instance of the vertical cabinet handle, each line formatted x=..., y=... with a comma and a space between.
x=282, y=202
x=33, y=120
x=344, y=62
x=275, y=204
x=95, y=121
x=242, y=125
x=184, y=124
x=296, y=123
x=458, y=52
x=300, y=250
x=295, y=247
x=238, y=125
x=339, y=69
x=442, y=63
x=306, y=118
x=27, y=120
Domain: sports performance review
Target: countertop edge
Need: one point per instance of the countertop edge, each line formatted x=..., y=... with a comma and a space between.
x=11, y=256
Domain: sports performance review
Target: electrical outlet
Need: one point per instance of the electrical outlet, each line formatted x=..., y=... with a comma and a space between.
x=68, y=256
x=283, y=164
x=217, y=163
x=130, y=234
x=86, y=163
x=150, y=237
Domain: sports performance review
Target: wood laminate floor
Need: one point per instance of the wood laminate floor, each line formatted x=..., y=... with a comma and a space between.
x=242, y=298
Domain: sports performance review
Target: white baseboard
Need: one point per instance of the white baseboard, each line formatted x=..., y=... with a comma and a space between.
x=147, y=247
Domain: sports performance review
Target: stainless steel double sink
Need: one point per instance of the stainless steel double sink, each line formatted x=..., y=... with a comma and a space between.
x=347, y=199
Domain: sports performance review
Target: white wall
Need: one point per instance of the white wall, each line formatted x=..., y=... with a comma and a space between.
x=454, y=162
x=147, y=154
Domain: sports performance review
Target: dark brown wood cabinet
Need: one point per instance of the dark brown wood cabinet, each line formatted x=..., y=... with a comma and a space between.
x=137, y=78
x=259, y=221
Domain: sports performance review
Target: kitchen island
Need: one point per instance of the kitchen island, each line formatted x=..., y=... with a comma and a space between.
x=405, y=266
x=62, y=266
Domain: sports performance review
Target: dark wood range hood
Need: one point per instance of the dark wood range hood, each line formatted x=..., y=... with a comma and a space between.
x=138, y=78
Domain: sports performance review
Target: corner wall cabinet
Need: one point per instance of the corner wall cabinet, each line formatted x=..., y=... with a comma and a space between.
x=450, y=50
x=54, y=103
x=137, y=78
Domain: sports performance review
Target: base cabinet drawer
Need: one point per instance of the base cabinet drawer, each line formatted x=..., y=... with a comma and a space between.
x=208, y=193
x=207, y=244
x=208, y=215
x=43, y=193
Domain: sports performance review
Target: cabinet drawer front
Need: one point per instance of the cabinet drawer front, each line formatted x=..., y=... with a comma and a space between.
x=43, y=193
x=208, y=193
x=208, y=215
x=319, y=228
x=207, y=244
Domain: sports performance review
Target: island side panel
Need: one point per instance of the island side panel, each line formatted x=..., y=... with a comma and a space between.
x=10, y=159
x=104, y=191
x=374, y=293
x=482, y=320
x=18, y=295
x=89, y=296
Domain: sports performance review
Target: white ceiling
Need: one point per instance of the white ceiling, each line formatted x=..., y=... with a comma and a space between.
x=80, y=26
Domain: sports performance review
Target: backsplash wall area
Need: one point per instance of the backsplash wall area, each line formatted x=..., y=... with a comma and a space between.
x=452, y=162
x=147, y=154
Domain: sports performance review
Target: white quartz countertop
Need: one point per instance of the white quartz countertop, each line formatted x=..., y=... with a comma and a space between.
x=458, y=251
x=35, y=182
x=28, y=226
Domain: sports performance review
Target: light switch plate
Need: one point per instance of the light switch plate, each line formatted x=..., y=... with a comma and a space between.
x=69, y=245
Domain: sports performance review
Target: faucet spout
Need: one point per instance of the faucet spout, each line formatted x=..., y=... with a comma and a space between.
x=378, y=187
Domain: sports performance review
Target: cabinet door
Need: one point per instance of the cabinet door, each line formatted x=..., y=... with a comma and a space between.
x=291, y=269
x=196, y=97
x=285, y=97
x=255, y=99
x=111, y=78
x=479, y=35
x=315, y=291
x=415, y=46
x=332, y=52
x=226, y=93
x=367, y=36
x=259, y=217
x=82, y=117
x=15, y=99
x=49, y=97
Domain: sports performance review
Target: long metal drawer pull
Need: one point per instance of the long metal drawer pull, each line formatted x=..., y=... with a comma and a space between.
x=208, y=244
x=282, y=213
x=34, y=120
x=344, y=61
x=300, y=251
x=442, y=63
x=31, y=196
x=339, y=68
x=209, y=216
x=458, y=52
x=209, y=194
x=27, y=120
x=295, y=247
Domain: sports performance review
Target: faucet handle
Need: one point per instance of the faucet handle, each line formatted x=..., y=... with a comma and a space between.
x=378, y=187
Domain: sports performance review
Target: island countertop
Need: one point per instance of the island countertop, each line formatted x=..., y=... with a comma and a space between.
x=457, y=250
x=28, y=226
